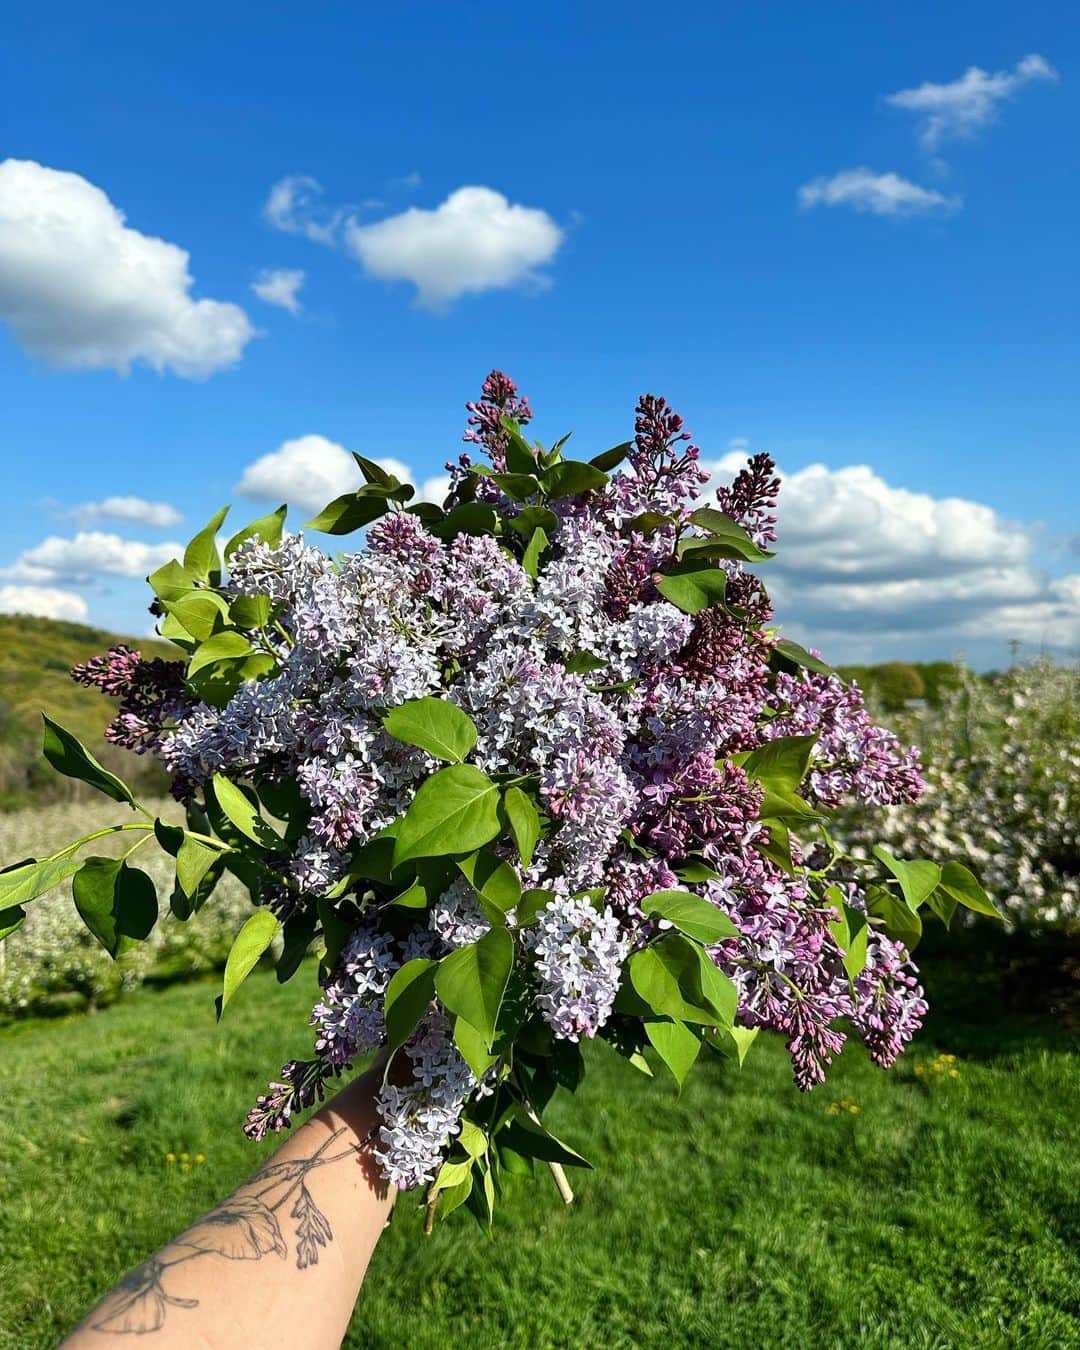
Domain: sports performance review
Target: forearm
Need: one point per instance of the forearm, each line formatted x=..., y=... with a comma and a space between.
x=280, y=1261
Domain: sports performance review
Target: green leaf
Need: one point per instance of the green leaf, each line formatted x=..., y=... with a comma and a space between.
x=917, y=879
x=435, y=725
x=900, y=922
x=193, y=861
x=455, y=1197
x=734, y=1041
x=691, y=914
x=648, y=522
x=468, y=518
x=524, y=822
x=199, y=612
x=407, y=997
x=571, y=478
x=117, y=903
x=696, y=870
x=493, y=879
x=692, y=588
x=375, y=473
x=519, y=487
x=473, y=1048
x=201, y=557
x=472, y=1138
x=11, y=919
x=336, y=930
x=234, y=802
x=788, y=651
x=28, y=880
x=471, y=981
x=672, y=977
x=297, y=931
x=454, y=811
x=532, y=1139
x=267, y=528
x=781, y=764
x=724, y=529
x=850, y=930
x=520, y=456
x=676, y=1045
x=451, y=1174
x=962, y=886
x=251, y=941
x=533, y=518
x=531, y=905
x=534, y=551
x=250, y=611
x=582, y=663
x=780, y=804
x=70, y=757
x=352, y=510
x=611, y=459
x=171, y=581
x=225, y=646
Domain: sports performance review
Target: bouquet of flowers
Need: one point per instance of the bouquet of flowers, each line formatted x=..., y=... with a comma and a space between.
x=527, y=768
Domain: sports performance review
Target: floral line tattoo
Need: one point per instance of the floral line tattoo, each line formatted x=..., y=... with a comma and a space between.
x=244, y=1228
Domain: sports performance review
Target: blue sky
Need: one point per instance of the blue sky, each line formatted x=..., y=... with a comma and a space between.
x=736, y=211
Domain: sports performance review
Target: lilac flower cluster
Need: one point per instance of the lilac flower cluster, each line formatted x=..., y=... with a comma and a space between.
x=150, y=694
x=626, y=719
x=579, y=956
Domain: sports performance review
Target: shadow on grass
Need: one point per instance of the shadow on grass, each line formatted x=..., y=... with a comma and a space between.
x=992, y=993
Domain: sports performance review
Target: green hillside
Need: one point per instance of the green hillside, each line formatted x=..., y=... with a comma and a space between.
x=36, y=656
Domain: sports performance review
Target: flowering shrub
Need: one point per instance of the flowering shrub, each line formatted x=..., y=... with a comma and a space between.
x=1003, y=791
x=527, y=768
x=51, y=963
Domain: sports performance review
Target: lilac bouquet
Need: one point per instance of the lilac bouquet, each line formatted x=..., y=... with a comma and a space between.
x=528, y=768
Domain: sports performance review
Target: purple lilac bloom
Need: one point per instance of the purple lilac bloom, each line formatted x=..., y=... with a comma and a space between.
x=579, y=954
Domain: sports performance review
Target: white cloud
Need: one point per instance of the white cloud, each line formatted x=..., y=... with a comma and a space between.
x=863, y=567
x=476, y=240
x=82, y=289
x=957, y=110
x=882, y=194
x=294, y=206
x=159, y=515
x=90, y=554
x=45, y=601
x=311, y=470
x=280, y=286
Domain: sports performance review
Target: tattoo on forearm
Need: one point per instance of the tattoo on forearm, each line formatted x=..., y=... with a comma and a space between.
x=244, y=1228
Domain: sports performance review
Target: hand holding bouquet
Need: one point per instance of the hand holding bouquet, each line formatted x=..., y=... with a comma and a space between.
x=528, y=768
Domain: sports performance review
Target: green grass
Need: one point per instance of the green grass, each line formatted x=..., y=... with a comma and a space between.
x=945, y=1213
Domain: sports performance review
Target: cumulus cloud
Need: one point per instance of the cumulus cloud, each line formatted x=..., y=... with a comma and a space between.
x=82, y=289
x=311, y=470
x=280, y=286
x=159, y=515
x=477, y=240
x=956, y=111
x=862, y=564
x=880, y=194
x=45, y=601
x=295, y=206
x=90, y=554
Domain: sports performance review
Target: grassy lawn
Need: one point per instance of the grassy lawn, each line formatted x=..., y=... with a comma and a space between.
x=945, y=1212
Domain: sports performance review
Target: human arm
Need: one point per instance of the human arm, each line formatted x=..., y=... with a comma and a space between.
x=279, y=1262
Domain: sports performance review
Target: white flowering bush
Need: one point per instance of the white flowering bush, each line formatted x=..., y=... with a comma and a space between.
x=53, y=964
x=1001, y=762
x=526, y=768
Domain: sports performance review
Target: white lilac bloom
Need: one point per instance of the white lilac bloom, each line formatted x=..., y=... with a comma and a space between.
x=579, y=954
